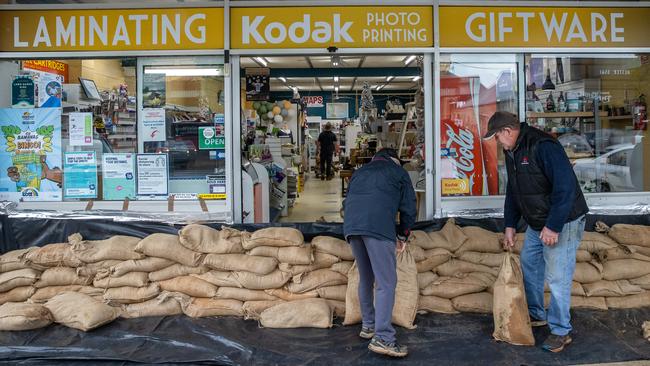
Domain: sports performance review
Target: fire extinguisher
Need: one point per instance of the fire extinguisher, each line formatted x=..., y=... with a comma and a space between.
x=640, y=114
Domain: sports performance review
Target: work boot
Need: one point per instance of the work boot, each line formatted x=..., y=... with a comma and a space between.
x=555, y=343
x=389, y=349
x=537, y=322
x=367, y=333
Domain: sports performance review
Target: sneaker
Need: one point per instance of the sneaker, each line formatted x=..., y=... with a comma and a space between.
x=367, y=333
x=388, y=349
x=555, y=343
x=537, y=323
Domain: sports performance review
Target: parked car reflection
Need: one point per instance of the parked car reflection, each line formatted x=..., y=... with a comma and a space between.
x=609, y=172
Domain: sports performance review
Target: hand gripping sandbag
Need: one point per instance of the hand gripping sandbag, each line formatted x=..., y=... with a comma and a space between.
x=510, y=309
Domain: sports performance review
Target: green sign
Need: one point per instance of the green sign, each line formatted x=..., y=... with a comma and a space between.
x=208, y=139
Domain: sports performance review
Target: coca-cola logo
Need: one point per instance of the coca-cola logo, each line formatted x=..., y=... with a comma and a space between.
x=465, y=157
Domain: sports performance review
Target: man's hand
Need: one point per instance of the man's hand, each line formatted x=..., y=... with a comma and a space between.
x=401, y=245
x=509, y=239
x=548, y=236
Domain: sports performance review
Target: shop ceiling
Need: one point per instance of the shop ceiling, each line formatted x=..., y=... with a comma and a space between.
x=348, y=72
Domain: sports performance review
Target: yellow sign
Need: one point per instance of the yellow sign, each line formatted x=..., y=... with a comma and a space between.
x=111, y=30
x=322, y=27
x=212, y=196
x=455, y=186
x=543, y=27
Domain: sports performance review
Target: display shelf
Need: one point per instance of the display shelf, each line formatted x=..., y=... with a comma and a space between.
x=563, y=114
x=619, y=118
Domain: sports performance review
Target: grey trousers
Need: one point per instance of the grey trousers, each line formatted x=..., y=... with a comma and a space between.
x=377, y=264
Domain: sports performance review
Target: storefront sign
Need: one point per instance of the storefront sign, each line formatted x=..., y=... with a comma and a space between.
x=80, y=178
x=118, y=176
x=153, y=124
x=543, y=27
x=341, y=26
x=208, y=139
x=81, y=129
x=455, y=186
x=50, y=66
x=153, y=174
x=313, y=101
x=111, y=30
x=30, y=154
x=23, y=93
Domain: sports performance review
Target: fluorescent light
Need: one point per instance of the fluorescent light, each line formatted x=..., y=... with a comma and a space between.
x=261, y=60
x=390, y=78
x=185, y=72
x=283, y=79
x=417, y=78
x=336, y=88
x=409, y=59
x=336, y=79
x=379, y=87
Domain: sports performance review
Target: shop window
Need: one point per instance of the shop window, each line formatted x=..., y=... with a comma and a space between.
x=596, y=107
x=472, y=88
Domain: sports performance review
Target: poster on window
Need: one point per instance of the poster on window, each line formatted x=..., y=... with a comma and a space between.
x=80, y=178
x=152, y=176
x=23, y=93
x=80, y=128
x=153, y=124
x=50, y=89
x=30, y=154
x=154, y=87
x=257, y=84
x=118, y=176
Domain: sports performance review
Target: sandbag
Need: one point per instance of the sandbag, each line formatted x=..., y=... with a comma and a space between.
x=273, y=237
x=629, y=302
x=418, y=253
x=318, y=278
x=420, y=239
x=434, y=258
x=80, y=311
x=643, y=282
x=622, y=269
x=481, y=240
x=639, y=249
x=61, y=276
x=595, y=242
x=486, y=259
x=630, y=234
x=451, y=287
x=406, y=292
x=168, y=246
x=426, y=278
x=352, y=303
x=290, y=296
x=583, y=302
x=291, y=255
x=338, y=307
x=118, y=247
x=52, y=255
x=131, y=295
x=218, y=278
x=12, y=261
x=454, y=267
x=588, y=272
x=435, y=304
x=189, y=285
x=333, y=292
x=22, y=316
x=342, y=267
x=44, y=294
x=336, y=247
x=621, y=252
x=253, y=309
x=646, y=330
x=92, y=269
x=611, y=288
x=307, y=313
x=176, y=270
x=165, y=304
x=450, y=237
x=321, y=260
x=474, y=303
x=241, y=262
x=131, y=279
x=149, y=264
x=18, y=294
x=204, y=239
x=509, y=305
x=18, y=278
x=252, y=281
x=243, y=294
x=583, y=256
x=197, y=307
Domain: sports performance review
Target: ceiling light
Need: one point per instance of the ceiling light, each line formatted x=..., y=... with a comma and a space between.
x=409, y=59
x=336, y=60
x=185, y=71
x=390, y=78
x=379, y=87
x=336, y=88
x=262, y=61
x=336, y=79
x=283, y=79
x=417, y=78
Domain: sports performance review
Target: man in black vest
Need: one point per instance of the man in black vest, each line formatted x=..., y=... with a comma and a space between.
x=543, y=189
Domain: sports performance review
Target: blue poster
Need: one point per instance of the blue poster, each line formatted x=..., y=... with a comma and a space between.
x=80, y=178
x=118, y=176
x=30, y=154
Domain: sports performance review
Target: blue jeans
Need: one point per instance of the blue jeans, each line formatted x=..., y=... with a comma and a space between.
x=376, y=262
x=555, y=265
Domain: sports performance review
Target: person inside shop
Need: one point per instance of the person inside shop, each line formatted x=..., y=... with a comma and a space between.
x=376, y=193
x=327, y=145
x=543, y=189
x=286, y=131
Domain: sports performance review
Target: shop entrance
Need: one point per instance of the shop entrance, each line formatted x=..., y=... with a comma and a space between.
x=299, y=113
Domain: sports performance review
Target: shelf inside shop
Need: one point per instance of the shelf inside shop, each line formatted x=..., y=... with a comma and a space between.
x=563, y=114
x=616, y=118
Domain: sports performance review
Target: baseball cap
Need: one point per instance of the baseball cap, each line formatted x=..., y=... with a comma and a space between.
x=390, y=153
x=498, y=121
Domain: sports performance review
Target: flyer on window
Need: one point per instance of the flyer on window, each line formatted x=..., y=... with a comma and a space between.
x=118, y=176
x=153, y=124
x=30, y=154
x=50, y=89
x=153, y=174
x=81, y=129
x=80, y=178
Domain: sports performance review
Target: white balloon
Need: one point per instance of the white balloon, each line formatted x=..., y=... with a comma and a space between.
x=278, y=118
x=269, y=114
x=291, y=112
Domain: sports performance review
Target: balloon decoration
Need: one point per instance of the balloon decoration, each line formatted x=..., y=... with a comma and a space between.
x=278, y=112
x=278, y=119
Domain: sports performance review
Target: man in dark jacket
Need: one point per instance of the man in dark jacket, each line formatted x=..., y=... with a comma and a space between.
x=376, y=193
x=543, y=189
x=327, y=145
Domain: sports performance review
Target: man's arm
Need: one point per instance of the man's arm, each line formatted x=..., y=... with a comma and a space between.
x=511, y=213
x=559, y=172
x=407, y=208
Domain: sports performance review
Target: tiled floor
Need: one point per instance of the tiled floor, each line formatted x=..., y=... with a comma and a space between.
x=319, y=198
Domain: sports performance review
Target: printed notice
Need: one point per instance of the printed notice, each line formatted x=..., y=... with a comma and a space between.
x=152, y=173
x=81, y=129
x=153, y=124
x=80, y=178
x=118, y=179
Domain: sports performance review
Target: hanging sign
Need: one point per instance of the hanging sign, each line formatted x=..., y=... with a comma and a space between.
x=81, y=129
x=543, y=27
x=23, y=92
x=257, y=84
x=80, y=178
x=341, y=26
x=313, y=101
x=118, y=176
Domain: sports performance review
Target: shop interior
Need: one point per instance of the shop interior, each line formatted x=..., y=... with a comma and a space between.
x=368, y=102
